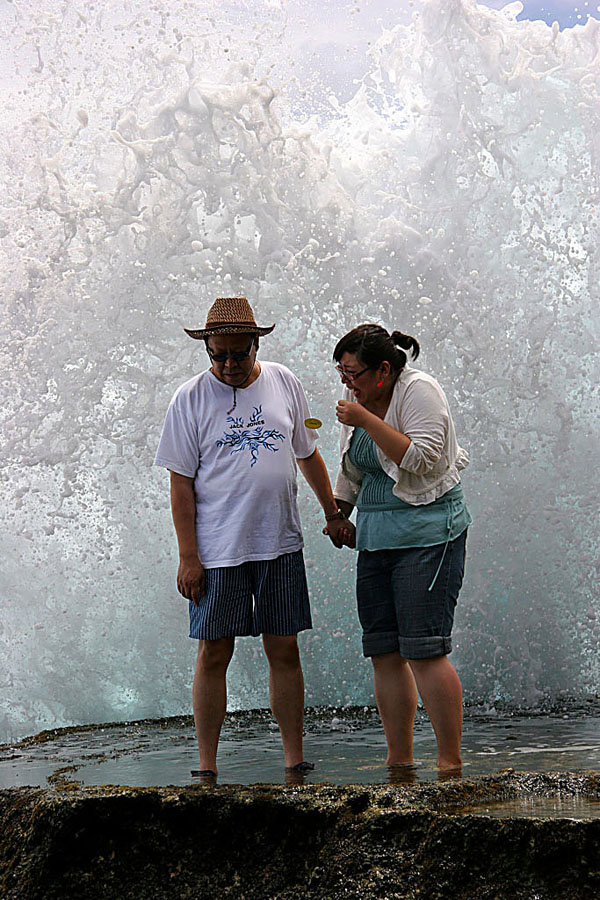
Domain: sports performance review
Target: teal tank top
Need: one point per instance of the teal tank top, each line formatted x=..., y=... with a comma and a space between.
x=385, y=522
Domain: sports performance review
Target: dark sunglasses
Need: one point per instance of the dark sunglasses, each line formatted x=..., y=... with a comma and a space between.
x=238, y=356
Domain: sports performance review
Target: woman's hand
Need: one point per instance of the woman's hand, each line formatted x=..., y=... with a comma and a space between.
x=349, y=412
x=393, y=443
x=341, y=533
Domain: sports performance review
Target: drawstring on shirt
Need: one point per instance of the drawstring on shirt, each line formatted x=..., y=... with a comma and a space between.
x=454, y=508
x=234, y=403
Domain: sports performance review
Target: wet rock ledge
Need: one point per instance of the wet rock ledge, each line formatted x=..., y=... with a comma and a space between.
x=285, y=843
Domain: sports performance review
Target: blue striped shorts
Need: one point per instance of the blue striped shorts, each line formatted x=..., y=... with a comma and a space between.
x=267, y=596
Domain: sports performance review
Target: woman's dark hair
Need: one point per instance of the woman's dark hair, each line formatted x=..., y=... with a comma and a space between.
x=373, y=345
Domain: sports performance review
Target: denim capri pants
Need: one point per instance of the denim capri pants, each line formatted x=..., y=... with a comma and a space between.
x=266, y=596
x=397, y=609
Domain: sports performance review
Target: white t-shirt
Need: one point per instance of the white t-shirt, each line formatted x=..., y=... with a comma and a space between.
x=243, y=463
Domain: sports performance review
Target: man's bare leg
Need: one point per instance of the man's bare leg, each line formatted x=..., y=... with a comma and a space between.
x=210, y=696
x=286, y=692
x=396, y=695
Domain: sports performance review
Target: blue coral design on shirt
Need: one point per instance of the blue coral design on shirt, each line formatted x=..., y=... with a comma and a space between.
x=251, y=436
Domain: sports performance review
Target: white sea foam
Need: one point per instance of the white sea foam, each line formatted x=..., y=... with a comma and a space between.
x=159, y=157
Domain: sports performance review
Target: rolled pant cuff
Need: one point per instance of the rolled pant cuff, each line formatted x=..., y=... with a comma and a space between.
x=379, y=643
x=424, y=647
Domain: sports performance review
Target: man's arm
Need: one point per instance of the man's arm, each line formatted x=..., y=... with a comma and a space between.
x=341, y=531
x=190, y=575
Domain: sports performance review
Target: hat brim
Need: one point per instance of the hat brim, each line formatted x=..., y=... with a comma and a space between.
x=199, y=333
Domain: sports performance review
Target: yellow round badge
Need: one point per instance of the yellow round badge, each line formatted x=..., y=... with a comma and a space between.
x=313, y=423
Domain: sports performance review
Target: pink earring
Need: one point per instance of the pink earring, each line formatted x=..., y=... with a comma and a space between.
x=379, y=383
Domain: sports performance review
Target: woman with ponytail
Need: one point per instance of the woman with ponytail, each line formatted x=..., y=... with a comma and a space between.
x=400, y=466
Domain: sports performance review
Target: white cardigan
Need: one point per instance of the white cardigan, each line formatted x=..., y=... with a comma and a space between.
x=429, y=468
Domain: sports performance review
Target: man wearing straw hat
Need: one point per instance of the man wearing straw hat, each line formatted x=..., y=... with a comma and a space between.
x=231, y=440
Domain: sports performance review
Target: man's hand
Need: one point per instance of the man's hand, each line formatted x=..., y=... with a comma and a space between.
x=191, y=578
x=341, y=533
x=349, y=412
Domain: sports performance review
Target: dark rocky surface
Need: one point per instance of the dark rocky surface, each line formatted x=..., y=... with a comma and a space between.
x=287, y=842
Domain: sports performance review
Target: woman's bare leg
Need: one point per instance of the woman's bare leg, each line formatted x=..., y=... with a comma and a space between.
x=441, y=693
x=396, y=695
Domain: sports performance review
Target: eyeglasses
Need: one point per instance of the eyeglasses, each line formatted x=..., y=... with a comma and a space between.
x=351, y=376
x=238, y=356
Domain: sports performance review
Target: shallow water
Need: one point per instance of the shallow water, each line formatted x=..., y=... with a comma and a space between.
x=575, y=807
x=347, y=747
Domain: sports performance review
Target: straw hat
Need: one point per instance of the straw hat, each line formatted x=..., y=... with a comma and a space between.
x=229, y=315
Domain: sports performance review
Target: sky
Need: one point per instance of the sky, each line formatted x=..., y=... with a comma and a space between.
x=564, y=12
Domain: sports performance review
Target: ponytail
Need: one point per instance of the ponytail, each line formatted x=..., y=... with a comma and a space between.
x=406, y=343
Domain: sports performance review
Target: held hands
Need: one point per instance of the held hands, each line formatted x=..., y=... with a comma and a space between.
x=341, y=533
x=349, y=412
x=191, y=578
